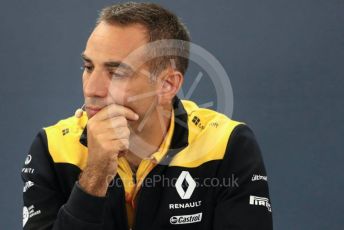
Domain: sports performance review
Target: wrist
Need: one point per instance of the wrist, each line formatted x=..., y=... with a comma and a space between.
x=92, y=183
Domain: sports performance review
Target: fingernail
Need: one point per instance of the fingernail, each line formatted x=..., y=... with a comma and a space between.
x=136, y=116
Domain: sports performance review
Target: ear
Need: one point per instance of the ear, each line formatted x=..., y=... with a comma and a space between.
x=169, y=86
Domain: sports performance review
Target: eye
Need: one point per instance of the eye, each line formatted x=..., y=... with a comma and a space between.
x=86, y=67
x=118, y=74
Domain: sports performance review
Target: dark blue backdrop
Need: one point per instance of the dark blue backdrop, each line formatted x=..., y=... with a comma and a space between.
x=285, y=61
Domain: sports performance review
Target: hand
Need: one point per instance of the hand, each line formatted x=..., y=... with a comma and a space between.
x=107, y=138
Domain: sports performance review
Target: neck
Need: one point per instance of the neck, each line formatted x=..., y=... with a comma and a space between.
x=147, y=139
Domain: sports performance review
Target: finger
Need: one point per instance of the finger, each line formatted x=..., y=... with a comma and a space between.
x=115, y=122
x=114, y=110
x=118, y=133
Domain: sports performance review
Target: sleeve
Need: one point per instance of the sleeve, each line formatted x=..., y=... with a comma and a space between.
x=246, y=203
x=45, y=206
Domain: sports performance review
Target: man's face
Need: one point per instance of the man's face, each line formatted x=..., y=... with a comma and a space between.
x=110, y=76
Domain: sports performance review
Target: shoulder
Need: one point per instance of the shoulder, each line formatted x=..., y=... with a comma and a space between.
x=209, y=134
x=206, y=119
x=63, y=141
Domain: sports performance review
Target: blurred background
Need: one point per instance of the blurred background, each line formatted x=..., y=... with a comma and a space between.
x=284, y=60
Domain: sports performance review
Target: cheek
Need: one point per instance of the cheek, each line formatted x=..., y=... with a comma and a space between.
x=117, y=94
x=142, y=99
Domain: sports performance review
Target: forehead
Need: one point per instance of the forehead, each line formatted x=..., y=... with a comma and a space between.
x=114, y=42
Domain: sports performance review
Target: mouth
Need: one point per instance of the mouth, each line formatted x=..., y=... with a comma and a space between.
x=92, y=110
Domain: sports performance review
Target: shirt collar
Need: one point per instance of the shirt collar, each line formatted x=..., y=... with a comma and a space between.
x=165, y=145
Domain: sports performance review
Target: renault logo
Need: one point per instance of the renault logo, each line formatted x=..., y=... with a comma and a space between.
x=191, y=185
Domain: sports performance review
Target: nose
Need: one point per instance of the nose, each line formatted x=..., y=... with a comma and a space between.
x=96, y=84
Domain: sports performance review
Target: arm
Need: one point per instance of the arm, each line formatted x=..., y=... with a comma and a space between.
x=44, y=205
x=246, y=204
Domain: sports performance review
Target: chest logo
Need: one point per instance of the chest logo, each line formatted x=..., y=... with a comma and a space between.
x=190, y=184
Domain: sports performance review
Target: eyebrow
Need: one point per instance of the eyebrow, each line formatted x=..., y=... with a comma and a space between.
x=109, y=64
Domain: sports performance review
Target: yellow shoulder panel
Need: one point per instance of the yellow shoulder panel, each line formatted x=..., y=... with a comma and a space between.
x=63, y=141
x=209, y=133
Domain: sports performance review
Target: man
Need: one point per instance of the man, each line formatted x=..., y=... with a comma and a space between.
x=139, y=157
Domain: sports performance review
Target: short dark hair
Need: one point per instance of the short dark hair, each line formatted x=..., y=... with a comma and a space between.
x=160, y=23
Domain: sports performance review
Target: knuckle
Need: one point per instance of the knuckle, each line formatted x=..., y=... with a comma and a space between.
x=118, y=132
x=127, y=131
x=124, y=143
x=123, y=121
x=112, y=123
